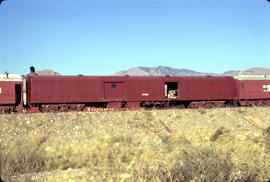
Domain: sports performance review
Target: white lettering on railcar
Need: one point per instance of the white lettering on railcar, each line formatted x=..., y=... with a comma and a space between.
x=145, y=94
x=266, y=88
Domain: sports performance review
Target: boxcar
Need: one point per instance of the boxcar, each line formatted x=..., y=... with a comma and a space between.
x=10, y=92
x=252, y=87
x=133, y=90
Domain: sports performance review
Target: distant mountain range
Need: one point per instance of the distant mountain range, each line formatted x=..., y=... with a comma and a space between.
x=47, y=72
x=258, y=70
x=165, y=70
x=160, y=70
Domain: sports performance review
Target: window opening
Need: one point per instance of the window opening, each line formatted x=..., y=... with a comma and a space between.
x=266, y=88
x=171, y=90
x=114, y=85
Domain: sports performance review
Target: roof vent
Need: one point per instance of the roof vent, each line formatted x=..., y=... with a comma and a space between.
x=33, y=70
x=6, y=74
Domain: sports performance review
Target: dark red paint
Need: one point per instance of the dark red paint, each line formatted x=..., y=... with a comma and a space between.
x=8, y=92
x=63, y=93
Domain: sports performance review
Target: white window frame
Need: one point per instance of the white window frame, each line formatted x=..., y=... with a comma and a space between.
x=0, y=90
x=266, y=88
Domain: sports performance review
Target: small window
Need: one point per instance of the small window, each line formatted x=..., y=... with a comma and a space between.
x=0, y=90
x=114, y=85
x=266, y=88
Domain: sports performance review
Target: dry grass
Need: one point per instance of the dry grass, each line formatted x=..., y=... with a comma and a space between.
x=202, y=163
x=24, y=157
x=168, y=145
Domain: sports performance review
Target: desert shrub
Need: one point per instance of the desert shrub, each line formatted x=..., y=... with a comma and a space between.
x=245, y=173
x=155, y=173
x=120, y=139
x=171, y=140
x=201, y=164
x=202, y=111
x=219, y=131
x=25, y=157
x=148, y=115
x=267, y=138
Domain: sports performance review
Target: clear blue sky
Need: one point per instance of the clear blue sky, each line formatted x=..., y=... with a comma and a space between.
x=100, y=37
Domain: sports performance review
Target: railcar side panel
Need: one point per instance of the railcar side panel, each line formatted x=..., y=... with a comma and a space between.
x=207, y=88
x=145, y=89
x=253, y=89
x=9, y=92
x=64, y=89
x=72, y=89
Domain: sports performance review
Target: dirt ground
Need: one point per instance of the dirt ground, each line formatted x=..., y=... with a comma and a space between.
x=158, y=145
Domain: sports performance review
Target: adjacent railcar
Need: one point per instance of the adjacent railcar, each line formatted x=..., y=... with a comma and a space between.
x=253, y=89
x=10, y=92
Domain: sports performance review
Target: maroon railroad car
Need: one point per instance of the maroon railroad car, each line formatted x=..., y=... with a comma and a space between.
x=128, y=91
x=253, y=87
x=10, y=92
x=10, y=89
x=63, y=93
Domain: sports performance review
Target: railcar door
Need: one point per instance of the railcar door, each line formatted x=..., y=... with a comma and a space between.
x=114, y=91
x=171, y=90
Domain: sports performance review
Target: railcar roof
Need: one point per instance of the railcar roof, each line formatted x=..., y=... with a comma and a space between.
x=252, y=77
x=120, y=76
x=10, y=77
